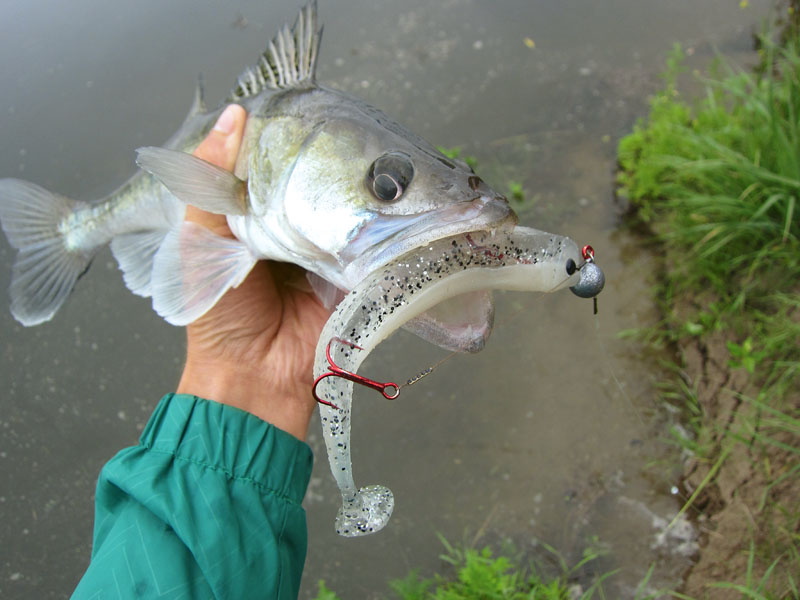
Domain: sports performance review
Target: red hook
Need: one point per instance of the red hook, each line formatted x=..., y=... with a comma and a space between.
x=337, y=371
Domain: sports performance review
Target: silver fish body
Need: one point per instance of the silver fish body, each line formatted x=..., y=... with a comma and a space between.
x=323, y=180
x=57, y=237
x=330, y=141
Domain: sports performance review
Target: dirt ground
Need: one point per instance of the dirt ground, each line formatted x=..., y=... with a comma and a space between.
x=739, y=508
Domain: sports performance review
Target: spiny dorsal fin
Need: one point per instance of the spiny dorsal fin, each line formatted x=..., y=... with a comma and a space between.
x=289, y=61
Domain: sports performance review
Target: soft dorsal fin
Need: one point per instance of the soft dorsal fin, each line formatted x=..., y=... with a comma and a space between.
x=289, y=61
x=199, y=102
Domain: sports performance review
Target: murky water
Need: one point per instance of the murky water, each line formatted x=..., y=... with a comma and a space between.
x=549, y=435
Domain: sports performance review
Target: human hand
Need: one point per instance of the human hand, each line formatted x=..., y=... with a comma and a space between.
x=255, y=348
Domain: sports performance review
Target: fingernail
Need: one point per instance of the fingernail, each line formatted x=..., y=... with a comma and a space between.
x=227, y=121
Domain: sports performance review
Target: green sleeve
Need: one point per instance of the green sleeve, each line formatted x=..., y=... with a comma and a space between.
x=206, y=506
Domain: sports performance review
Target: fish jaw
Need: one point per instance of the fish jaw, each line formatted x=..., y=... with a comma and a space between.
x=460, y=324
x=398, y=235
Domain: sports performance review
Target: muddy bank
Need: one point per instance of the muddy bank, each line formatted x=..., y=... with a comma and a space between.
x=738, y=508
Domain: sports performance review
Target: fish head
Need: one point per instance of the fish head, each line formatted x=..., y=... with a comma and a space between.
x=420, y=195
x=341, y=189
x=363, y=190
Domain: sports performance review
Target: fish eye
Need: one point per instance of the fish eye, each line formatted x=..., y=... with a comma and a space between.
x=389, y=176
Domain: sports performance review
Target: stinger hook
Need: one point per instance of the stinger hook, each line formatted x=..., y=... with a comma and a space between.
x=337, y=371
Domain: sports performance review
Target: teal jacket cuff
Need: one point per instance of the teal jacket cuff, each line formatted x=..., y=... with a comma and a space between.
x=230, y=440
x=207, y=505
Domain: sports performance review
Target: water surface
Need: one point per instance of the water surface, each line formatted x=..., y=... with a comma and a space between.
x=549, y=435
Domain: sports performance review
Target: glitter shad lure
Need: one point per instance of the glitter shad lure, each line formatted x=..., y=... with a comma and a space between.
x=520, y=259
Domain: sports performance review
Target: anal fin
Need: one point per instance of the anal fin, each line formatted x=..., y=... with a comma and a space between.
x=134, y=253
x=193, y=269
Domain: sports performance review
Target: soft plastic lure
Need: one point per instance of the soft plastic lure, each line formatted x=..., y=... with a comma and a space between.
x=520, y=259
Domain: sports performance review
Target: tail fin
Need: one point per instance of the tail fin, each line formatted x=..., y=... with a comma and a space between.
x=46, y=269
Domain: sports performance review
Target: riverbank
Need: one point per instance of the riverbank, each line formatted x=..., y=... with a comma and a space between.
x=713, y=183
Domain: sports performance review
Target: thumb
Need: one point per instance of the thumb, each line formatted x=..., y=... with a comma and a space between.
x=221, y=146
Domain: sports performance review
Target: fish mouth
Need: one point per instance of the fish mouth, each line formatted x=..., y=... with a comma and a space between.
x=386, y=238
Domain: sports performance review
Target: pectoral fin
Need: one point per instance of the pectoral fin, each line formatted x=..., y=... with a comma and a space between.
x=192, y=270
x=195, y=181
x=329, y=295
x=461, y=324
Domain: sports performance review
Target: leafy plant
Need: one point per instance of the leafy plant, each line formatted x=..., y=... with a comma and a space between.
x=455, y=153
x=323, y=593
x=744, y=356
x=516, y=192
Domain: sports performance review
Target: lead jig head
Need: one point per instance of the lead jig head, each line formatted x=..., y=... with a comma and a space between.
x=591, y=281
x=591, y=278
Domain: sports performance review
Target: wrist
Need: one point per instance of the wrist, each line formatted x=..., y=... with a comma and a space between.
x=288, y=407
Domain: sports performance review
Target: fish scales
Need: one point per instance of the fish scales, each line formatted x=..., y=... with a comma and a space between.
x=331, y=184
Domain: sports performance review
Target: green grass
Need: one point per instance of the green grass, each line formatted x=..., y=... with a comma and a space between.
x=455, y=153
x=479, y=575
x=516, y=194
x=758, y=588
x=716, y=180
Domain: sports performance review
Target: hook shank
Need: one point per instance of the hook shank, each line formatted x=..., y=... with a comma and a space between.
x=389, y=390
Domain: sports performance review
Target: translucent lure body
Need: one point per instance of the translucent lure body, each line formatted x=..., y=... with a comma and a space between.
x=518, y=259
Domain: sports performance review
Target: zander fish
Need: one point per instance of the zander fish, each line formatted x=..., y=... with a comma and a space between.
x=323, y=180
x=520, y=259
